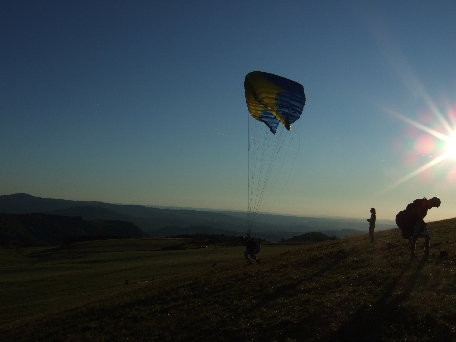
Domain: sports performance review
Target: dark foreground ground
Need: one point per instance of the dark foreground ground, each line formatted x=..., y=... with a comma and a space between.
x=340, y=290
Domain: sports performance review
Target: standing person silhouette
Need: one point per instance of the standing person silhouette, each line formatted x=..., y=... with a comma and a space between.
x=371, y=221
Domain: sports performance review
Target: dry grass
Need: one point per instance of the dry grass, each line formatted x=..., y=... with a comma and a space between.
x=343, y=290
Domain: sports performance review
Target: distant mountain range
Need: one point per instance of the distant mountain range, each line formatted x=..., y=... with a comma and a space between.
x=168, y=222
x=39, y=229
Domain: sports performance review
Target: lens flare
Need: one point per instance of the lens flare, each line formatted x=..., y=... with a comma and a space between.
x=432, y=143
x=424, y=144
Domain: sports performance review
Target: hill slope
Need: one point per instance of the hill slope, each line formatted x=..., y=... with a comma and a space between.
x=338, y=290
x=44, y=229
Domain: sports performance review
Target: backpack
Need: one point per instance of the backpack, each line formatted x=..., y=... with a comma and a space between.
x=404, y=222
x=254, y=245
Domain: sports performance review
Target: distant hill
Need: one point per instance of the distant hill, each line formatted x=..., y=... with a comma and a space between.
x=147, y=218
x=166, y=222
x=44, y=229
x=171, y=231
x=343, y=233
x=91, y=213
x=310, y=237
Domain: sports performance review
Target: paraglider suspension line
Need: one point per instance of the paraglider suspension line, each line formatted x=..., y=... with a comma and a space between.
x=248, y=177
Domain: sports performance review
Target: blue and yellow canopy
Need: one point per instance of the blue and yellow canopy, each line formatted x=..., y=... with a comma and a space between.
x=273, y=99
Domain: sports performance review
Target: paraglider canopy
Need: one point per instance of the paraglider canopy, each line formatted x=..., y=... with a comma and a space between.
x=276, y=101
x=273, y=99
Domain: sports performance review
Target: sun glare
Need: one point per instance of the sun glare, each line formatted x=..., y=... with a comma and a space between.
x=431, y=144
x=451, y=146
x=430, y=139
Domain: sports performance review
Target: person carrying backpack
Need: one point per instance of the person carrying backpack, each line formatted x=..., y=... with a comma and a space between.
x=411, y=222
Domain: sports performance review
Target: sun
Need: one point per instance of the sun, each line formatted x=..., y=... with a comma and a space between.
x=451, y=145
x=425, y=144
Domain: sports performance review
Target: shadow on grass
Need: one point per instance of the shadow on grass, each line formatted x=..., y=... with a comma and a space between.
x=387, y=320
x=47, y=252
x=286, y=328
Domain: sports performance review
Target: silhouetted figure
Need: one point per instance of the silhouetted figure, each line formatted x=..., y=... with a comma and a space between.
x=252, y=247
x=411, y=222
x=371, y=221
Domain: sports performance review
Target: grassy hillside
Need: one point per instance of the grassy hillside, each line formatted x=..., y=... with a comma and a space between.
x=337, y=290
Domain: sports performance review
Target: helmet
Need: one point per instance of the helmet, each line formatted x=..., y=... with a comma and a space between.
x=435, y=201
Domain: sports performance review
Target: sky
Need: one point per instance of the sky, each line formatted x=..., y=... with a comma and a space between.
x=142, y=102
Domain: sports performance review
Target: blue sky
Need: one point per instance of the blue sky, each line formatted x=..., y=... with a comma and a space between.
x=142, y=102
